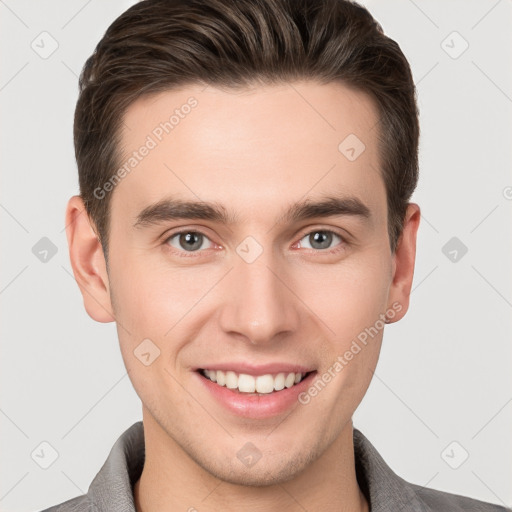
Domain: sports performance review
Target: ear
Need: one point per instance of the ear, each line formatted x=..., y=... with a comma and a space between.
x=88, y=261
x=403, y=264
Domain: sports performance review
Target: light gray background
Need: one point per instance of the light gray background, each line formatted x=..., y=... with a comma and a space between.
x=445, y=369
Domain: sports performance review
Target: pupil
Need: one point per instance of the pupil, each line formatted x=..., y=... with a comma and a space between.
x=322, y=238
x=191, y=240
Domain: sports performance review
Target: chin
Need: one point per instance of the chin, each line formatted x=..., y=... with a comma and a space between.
x=262, y=474
x=262, y=477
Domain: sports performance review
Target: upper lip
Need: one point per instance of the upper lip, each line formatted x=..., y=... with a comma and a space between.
x=253, y=369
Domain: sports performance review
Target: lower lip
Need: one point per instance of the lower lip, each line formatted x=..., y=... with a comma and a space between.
x=253, y=405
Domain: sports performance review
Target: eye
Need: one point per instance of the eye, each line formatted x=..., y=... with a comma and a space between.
x=319, y=239
x=189, y=241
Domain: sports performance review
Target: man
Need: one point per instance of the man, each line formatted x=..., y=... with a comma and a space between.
x=245, y=173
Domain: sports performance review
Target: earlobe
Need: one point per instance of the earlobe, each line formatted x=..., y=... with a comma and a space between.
x=88, y=261
x=403, y=264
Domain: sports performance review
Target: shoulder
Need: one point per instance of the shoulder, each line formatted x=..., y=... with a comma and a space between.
x=79, y=504
x=442, y=501
x=385, y=490
x=112, y=487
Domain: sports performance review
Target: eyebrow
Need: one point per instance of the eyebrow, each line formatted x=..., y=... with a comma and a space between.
x=174, y=209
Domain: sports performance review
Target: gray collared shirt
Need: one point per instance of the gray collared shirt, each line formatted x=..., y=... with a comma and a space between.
x=112, y=488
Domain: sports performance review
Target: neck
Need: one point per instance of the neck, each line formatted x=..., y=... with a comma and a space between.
x=171, y=480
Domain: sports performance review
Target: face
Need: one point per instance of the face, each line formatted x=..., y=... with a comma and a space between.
x=280, y=267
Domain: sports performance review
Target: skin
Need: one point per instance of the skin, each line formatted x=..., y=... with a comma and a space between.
x=255, y=151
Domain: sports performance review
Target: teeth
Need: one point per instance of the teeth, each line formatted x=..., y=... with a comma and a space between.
x=279, y=381
x=248, y=384
x=290, y=380
x=265, y=384
x=221, y=378
x=231, y=380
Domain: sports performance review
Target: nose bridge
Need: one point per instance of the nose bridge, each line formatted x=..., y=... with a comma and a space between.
x=258, y=304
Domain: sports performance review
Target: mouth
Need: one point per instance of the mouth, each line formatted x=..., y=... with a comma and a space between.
x=254, y=385
x=256, y=391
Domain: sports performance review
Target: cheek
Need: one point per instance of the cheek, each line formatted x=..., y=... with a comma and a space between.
x=347, y=297
x=158, y=302
x=151, y=294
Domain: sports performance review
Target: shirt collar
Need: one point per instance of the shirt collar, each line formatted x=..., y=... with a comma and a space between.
x=383, y=488
x=112, y=488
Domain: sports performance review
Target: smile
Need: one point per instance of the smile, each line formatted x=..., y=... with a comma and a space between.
x=262, y=384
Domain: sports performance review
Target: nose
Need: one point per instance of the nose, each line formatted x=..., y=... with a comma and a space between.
x=258, y=302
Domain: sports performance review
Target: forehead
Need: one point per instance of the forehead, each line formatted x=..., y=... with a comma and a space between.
x=252, y=149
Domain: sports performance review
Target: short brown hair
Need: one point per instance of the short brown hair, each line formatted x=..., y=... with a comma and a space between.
x=158, y=45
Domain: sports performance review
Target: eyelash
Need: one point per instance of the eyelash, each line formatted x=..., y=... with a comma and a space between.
x=187, y=254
